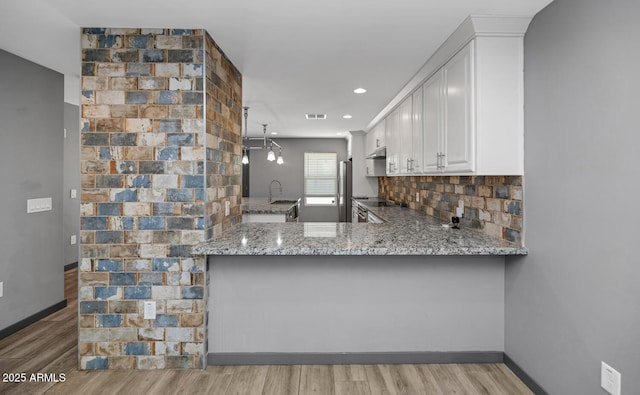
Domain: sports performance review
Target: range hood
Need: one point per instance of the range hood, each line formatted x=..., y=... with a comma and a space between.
x=380, y=153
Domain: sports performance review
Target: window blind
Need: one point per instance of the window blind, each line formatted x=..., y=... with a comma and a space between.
x=320, y=174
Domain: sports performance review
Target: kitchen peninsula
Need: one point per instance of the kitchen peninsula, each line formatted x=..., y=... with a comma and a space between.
x=405, y=290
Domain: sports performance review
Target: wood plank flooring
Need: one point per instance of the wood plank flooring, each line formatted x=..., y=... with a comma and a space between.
x=50, y=346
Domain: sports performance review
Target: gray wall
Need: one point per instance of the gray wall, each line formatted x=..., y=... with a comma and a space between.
x=291, y=172
x=356, y=303
x=31, y=151
x=575, y=300
x=71, y=179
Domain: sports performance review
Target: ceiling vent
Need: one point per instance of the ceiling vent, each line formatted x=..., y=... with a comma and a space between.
x=316, y=116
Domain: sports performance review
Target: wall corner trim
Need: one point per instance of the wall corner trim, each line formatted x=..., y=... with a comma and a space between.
x=524, y=377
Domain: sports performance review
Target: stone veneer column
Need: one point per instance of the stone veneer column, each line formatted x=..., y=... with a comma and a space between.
x=161, y=125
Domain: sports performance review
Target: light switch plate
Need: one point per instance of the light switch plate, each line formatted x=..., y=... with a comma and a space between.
x=610, y=379
x=74, y=239
x=74, y=193
x=37, y=205
x=1, y=289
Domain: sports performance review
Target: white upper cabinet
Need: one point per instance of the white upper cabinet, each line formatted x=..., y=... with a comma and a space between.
x=448, y=139
x=465, y=105
x=417, y=135
x=375, y=139
x=432, y=120
x=393, y=142
x=404, y=136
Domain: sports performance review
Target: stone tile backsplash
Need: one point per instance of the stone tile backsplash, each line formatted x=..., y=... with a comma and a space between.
x=160, y=157
x=491, y=203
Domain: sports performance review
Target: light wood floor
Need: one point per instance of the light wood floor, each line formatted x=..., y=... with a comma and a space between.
x=50, y=346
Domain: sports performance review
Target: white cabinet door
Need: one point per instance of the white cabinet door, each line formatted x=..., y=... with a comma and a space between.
x=375, y=138
x=415, y=165
x=368, y=142
x=458, y=126
x=432, y=120
x=405, y=136
x=449, y=133
x=374, y=167
x=381, y=135
x=392, y=138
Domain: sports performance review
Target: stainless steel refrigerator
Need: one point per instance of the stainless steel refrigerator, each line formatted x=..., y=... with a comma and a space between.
x=344, y=191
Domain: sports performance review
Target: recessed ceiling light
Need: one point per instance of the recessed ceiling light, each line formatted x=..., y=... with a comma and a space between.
x=359, y=90
x=347, y=116
x=274, y=133
x=339, y=134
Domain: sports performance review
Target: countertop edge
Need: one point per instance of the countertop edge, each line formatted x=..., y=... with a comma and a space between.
x=365, y=252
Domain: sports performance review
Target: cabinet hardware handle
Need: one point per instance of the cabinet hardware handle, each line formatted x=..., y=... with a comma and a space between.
x=377, y=143
x=440, y=161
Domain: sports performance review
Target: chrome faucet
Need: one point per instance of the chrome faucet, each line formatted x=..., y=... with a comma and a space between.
x=279, y=187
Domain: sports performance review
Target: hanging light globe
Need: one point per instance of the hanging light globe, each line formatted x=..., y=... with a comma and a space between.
x=280, y=160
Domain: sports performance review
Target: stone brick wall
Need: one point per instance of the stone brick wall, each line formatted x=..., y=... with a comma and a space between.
x=146, y=192
x=223, y=140
x=491, y=203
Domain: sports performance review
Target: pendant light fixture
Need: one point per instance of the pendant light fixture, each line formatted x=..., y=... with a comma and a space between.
x=270, y=155
x=280, y=160
x=245, y=157
x=267, y=143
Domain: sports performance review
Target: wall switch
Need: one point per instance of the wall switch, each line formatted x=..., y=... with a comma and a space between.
x=460, y=209
x=65, y=133
x=227, y=208
x=150, y=310
x=1, y=289
x=37, y=205
x=610, y=379
x=74, y=193
x=417, y=196
x=73, y=239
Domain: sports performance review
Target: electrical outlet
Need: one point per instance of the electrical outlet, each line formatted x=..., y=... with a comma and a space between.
x=610, y=379
x=227, y=208
x=73, y=239
x=149, y=310
x=460, y=209
x=1, y=289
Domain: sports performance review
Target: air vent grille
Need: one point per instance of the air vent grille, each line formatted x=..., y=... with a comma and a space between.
x=316, y=116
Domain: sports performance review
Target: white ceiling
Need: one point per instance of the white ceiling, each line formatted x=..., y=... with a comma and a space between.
x=296, y=56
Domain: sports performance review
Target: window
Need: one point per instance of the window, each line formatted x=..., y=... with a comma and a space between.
x=320, y=178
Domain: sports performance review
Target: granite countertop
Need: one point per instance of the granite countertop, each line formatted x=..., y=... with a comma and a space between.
x=405, y=232
x=261, y=205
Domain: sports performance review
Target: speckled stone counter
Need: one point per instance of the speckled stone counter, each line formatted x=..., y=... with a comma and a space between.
x=260, y=205
x=405, y=232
